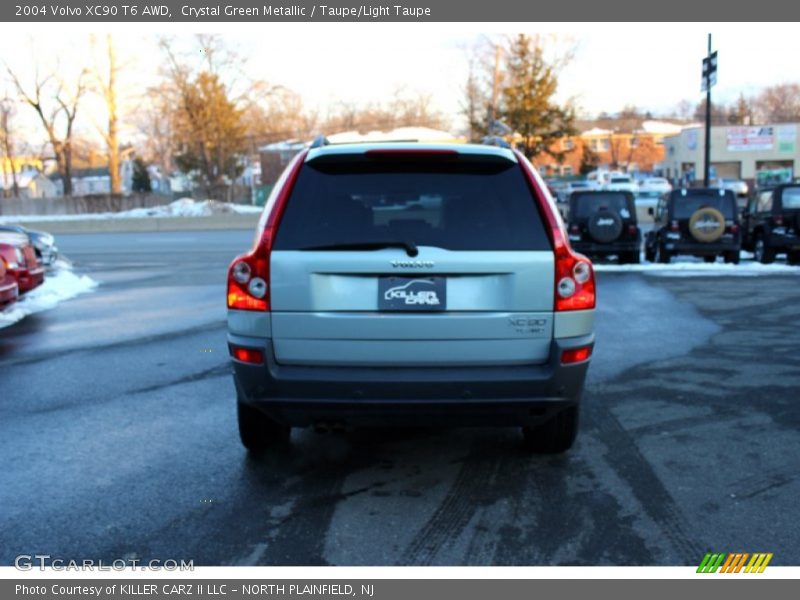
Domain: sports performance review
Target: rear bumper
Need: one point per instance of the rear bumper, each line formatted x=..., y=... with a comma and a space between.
x=783, y=240
x=28, y=279
x=9, y=291
x=593, y=248
x=701, y=249
x=367, y=396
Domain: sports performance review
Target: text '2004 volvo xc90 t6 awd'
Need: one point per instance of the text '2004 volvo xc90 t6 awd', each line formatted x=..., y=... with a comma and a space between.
x=401, y=284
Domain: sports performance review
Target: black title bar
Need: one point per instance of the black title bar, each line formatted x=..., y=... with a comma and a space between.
x=415, y=11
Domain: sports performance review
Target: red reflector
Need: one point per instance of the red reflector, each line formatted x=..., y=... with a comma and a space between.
x=575, y=355
x=248, y=355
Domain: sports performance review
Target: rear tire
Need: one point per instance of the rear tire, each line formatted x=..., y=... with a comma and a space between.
x=793, y=257
x=710, y=259
x=732, y=257
x=258, y=432
x=763, y=252
x=662, y=256
x=554, y=436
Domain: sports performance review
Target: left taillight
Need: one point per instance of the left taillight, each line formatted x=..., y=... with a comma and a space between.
x=248, y=282
x=248, y=275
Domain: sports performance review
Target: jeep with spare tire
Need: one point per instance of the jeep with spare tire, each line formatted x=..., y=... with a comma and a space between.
x=603, y=223
x=699, y=222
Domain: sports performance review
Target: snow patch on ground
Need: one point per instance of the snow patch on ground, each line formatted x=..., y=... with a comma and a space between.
x=686, y=266
x=185, y=207
x=60, y=284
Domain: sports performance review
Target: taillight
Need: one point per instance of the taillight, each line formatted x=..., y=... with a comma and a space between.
x=574, y=229
x=574, y=276
x=575, y=355
x=734, y=228
x=778, y=220
x=247, y=355
x=632, y=230
x=575, y=289
x=248, y=275
x=674, y=226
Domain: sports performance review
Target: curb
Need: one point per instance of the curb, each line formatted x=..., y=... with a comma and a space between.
x=146, y=224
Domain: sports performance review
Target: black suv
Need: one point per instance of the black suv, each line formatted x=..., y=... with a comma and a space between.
x=772, y=224
x=602, y=223
x=700, y=222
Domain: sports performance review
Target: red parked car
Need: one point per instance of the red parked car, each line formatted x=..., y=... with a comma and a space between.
x=19, y=260
x=9, y=290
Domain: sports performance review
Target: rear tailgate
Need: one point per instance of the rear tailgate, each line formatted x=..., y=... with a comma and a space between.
x=478, y=291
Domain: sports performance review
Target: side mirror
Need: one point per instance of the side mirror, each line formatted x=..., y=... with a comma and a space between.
x=650, y=211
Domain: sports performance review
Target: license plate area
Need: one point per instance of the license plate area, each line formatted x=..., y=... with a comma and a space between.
x=428, y=294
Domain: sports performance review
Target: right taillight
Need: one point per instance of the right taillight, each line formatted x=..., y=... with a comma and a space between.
x=574, y=275
x=778, y=220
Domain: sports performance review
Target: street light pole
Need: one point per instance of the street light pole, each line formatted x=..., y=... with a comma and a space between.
x=707, y=161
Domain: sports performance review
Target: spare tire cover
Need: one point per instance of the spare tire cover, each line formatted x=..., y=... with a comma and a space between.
x=605, y=226
x=707, y=224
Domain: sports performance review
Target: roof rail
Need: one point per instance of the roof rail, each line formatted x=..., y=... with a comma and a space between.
x=495, y=140
x=319, y=141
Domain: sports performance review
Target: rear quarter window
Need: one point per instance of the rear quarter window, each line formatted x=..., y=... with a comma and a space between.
x=456, y=203
x=790, y=198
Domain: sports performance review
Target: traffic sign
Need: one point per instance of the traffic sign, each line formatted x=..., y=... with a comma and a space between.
x=709, y=71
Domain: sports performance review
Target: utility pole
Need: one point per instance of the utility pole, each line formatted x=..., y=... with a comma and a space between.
x=709, y=79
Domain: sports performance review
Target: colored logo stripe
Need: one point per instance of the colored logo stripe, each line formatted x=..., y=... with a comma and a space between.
x=734, y=562
x=758, y=563
x=710, y=563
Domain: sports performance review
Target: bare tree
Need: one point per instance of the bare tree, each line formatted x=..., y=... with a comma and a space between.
x=7, y=112
x=155, y=122
x=107, y=87
x=56, y=105
x=779, y=103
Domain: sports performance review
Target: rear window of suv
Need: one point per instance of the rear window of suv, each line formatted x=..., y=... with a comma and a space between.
x=685, y=206
x=458, y=203
x=585, y=205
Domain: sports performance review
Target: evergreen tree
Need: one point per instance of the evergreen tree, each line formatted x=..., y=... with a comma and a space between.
x=529, y=107
x=141, y=178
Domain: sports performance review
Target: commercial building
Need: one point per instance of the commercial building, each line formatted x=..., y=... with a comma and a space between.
x=757, y=154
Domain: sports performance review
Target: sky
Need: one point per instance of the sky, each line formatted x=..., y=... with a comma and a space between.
x=652, y=66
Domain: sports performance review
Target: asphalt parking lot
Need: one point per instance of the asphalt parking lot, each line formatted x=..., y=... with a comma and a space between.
x=118, y=433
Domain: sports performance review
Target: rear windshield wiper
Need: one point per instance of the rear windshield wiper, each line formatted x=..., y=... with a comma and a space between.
x=410, y=247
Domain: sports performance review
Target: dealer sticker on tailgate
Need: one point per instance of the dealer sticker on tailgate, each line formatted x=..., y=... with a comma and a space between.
x=412, y=293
